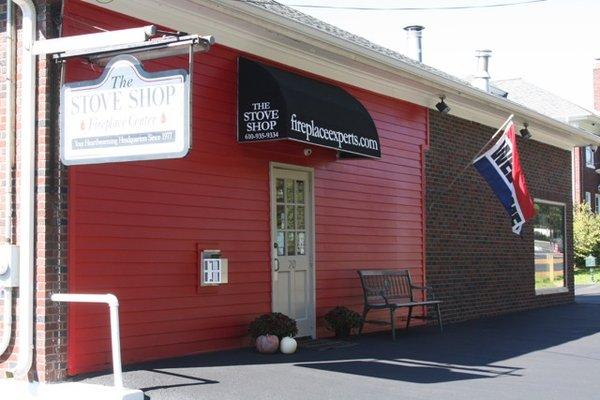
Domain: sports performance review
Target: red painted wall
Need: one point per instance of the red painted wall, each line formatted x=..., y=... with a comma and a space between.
x=134, y=228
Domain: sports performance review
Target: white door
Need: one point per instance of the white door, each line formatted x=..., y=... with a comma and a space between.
x=291, y=227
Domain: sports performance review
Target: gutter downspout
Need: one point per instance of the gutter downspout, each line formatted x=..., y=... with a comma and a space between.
x=10, y=163
x=26, y=191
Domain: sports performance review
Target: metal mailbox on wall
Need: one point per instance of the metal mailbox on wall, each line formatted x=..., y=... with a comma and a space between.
x=213, y=268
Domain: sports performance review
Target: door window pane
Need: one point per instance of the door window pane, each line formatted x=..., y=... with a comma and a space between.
x=291, y=217
x=280, y=217
x=301, y=248
x=549, y=245
x=291, y=244
x=279, y=191
x=300, y=192
x=280, y=243
x=300, y=217
x=289, y=191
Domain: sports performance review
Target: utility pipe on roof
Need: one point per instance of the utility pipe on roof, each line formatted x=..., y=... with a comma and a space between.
x=413, y=37
x=481, y=79
x=8, y=168
x=26, y=190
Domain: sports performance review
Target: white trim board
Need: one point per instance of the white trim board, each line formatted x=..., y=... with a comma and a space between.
x=265, y=34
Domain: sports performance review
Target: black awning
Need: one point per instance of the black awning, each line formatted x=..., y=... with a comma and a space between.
x=275, y=104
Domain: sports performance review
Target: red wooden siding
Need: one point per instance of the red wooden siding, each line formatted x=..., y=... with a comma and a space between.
x=135, y=227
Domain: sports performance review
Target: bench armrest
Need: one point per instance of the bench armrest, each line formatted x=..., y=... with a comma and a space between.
x=427, y=289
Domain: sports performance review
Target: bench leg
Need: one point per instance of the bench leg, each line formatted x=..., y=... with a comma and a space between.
x=408, y=317
x=439, y=315
x=393, y=321
x=364, y=318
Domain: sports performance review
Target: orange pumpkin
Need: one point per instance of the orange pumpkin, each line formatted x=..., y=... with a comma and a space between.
x=267, y=344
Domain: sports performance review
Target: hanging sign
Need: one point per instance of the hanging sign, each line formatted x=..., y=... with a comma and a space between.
x=274, y=104
x=127, y=114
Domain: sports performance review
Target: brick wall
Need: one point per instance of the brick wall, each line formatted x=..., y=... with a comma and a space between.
x=476, y=265
x=50, y=225
x=588, y=178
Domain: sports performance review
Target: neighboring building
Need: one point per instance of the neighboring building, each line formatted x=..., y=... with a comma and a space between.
x=295, y=220
x=586, y=181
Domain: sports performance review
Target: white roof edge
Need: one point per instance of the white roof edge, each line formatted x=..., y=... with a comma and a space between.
x=272, y=36
x=584, y=117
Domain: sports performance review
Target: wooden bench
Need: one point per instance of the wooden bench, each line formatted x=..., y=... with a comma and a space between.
x=393, y=289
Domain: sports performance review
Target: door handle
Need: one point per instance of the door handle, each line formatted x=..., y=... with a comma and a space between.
x=292, y=264
x=276, y=264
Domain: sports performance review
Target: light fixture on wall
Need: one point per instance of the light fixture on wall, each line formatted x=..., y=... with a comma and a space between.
x=525, y=134
x=442, y=106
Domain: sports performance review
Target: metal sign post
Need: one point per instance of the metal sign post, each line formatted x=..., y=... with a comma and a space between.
x=590, y=263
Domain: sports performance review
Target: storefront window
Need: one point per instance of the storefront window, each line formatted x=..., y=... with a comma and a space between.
x=549, y=245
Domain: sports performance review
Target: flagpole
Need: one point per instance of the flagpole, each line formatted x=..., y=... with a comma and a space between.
x=474, y=158
x=492, y=138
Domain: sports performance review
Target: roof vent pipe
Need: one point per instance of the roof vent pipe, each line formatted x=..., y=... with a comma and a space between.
x=413, y=41
x=481, y=79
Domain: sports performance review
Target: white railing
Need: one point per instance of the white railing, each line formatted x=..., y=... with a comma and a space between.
x=113, y=304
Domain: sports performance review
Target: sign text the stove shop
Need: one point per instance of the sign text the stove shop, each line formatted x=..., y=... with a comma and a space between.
x=261, y=122
x=127, y=114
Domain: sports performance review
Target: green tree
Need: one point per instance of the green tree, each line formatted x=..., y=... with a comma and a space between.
x=586, y=233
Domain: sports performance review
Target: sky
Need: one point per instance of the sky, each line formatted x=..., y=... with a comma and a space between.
x=551, y=43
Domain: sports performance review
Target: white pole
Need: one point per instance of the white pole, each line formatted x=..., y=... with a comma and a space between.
x=26, y=231
x=94, y=40
x=116, y=342
x=113, y=304
x=9, y=130
x=6, y=319
x=10, y=119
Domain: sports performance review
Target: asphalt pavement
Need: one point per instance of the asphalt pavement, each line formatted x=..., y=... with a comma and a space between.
x=550, y=353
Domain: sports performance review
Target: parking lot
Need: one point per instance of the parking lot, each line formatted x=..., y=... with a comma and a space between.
x=551, y=353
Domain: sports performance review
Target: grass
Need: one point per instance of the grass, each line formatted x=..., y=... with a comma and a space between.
x=583, y=276
x=545, y=283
